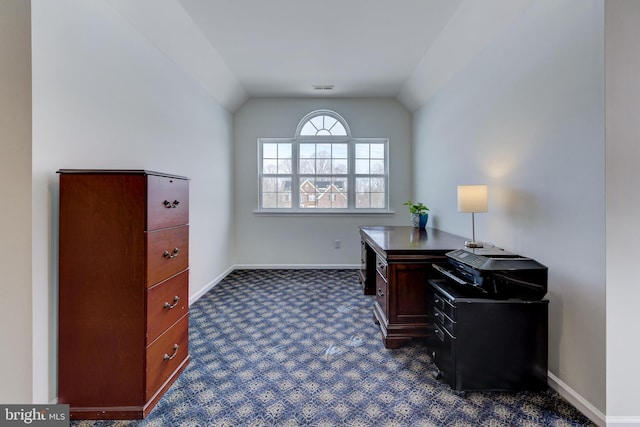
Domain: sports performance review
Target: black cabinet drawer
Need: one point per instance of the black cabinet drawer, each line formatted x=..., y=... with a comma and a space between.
x=444, y=321
x=444, y=348
x=444, y=305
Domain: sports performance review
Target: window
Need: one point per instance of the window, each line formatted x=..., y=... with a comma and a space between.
x=322, y=124
x=323, y=169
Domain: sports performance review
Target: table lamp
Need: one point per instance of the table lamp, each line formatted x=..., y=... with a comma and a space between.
x=473, y=198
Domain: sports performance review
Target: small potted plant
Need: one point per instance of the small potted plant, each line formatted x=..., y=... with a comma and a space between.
x=418, y=213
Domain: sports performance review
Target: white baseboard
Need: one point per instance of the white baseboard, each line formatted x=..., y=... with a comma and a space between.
x=571, y=396
x=623, y=421
x=195, y=297
x=296, y=266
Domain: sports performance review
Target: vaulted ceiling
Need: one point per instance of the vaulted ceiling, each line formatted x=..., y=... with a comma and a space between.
x=239, y=49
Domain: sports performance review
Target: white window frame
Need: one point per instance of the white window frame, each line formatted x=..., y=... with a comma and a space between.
x=295, y=174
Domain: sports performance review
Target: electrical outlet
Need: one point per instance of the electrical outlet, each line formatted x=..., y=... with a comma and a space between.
x=337, y=244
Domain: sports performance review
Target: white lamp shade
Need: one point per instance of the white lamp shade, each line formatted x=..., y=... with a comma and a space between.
x=473, y=198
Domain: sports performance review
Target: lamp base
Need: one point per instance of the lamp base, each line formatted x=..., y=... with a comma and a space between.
x=473, y=244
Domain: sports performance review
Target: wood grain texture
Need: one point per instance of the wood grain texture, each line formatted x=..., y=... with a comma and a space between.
x=404, y=258
x=104, y=273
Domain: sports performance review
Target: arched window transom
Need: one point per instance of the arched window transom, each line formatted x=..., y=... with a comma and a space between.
x=323, y=123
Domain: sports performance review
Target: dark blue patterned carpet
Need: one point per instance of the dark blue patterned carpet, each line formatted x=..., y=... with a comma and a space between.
x=300, y=348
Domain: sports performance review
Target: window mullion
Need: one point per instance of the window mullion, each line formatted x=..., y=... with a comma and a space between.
x=295, y=176
x=260, y=173
x=351, y=175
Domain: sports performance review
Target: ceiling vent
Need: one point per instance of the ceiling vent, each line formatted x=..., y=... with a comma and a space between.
x=323, y=87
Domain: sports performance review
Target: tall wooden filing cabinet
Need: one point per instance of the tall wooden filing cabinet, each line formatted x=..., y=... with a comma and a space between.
x=123, y=290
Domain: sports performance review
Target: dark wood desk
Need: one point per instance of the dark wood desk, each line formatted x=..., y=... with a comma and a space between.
x=395, y=267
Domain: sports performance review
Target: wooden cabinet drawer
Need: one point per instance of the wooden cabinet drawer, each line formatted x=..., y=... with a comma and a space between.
x=382, y=298
x=381, y=267
x=166, y=355
x=167, y=202
x=167, y=302
x=167, y=253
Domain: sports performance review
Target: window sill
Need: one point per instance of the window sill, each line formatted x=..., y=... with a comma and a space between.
x=377, y=213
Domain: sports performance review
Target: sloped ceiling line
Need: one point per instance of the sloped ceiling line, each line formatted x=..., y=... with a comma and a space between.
x=281, y=48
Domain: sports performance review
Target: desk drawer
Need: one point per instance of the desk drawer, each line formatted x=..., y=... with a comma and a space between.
x=381, y=267
x=166, y=355
x=382, y=289
x=167, y=302
x=167, y=202
x=167, y=253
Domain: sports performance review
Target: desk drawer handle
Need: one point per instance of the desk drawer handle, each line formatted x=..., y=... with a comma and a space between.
x=380, y=292
x=175, y=351
x=167, y=254
x=169, y=205
x=175, y=303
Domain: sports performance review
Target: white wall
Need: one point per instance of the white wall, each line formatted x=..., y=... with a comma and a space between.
x=308, y=240
x=104, y=97
x=526, y=117
x=623, y=209
x=15, y=193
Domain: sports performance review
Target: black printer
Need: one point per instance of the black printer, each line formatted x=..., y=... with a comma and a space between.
x=495, y=273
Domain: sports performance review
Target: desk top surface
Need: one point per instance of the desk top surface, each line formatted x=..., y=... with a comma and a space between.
x=402, y=239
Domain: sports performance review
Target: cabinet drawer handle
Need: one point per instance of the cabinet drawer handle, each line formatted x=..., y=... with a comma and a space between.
x=167, y=254
x=175, y=351
x=175, y=303
x=169, y=205
x=380, y=292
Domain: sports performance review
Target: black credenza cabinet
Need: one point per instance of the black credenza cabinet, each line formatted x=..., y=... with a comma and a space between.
x=487, y=344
